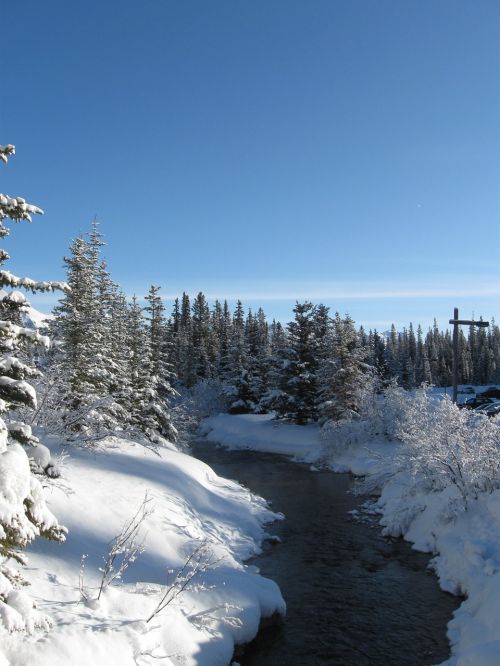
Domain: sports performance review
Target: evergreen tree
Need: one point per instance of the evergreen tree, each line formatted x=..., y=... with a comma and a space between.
x=155, y=416
x=298, y=382
x=258, y=343
x=202, y=349
x=236, y=378
x=23, y=512
x=345, y=374
x=90, y=363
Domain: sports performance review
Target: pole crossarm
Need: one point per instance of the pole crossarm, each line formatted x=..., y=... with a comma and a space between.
x=469, y=322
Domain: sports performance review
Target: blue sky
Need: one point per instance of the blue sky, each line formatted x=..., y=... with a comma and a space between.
x=333, y=150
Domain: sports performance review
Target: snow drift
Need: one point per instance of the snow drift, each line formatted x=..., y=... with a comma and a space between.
x=192, y=511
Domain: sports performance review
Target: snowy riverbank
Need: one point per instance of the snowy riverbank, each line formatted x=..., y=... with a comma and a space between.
x=100, y=490
x=466, y=545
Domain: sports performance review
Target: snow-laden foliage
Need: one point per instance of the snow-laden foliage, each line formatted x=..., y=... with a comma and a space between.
x=109, y=369
x=23, y=511
x=447, y=446
x=436, y=445
x=191, y=406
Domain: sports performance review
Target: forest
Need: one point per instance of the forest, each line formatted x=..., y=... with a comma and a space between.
x=128, y=363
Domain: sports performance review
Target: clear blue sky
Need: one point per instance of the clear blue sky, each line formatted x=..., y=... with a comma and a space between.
x=336, y=150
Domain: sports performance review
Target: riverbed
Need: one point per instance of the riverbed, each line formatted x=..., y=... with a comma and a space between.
x=354, y=598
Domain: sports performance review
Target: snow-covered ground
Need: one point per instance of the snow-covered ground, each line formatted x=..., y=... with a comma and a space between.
x=466, y=545
x=191, y=510
x=263, y=433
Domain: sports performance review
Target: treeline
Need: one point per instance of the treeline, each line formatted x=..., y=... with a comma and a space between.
x=414, y=358
x=117, y=364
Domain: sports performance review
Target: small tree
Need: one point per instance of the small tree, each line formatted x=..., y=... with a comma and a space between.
x=23, y=512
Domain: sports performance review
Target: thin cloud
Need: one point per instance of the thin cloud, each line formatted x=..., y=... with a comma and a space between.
x=358, y=292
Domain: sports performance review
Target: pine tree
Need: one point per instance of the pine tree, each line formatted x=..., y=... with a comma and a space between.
x=202, y=343
x=298, y=382
x=92, y=364
x=344, y=378
x=161, y=390
x=236, y=379
x=223, y=331
x=186, y=370
x=257, y=336
x=379, y=360
x=149, y=395
x=23, y=512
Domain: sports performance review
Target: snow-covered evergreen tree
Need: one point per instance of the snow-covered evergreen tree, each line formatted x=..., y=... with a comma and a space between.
x=236, y=379
x=160, y=391
x=344, y=376
x=91, y=362
x=23, y=512
x=297, y=396
x=258, y=344
x=149, y=373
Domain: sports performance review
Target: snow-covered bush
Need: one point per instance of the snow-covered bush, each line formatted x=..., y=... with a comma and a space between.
x=447, y=446
x=23, y=512
x=437, y=445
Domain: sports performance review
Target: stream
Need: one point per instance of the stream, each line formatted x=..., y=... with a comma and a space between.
x=353, y=597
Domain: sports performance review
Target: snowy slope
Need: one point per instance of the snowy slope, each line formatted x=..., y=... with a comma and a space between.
x=101, y=490
x=33, y=318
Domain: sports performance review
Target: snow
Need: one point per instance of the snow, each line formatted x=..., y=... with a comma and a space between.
x=7, y=279
x=261, y=432
x=33, y=318
x=193, y=510
x=465, y=545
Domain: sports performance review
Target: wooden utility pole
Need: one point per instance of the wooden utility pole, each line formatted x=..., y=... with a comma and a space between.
x=456, y=323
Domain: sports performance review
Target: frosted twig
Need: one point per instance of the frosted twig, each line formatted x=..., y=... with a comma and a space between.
x=125, y=547
x=199, y=561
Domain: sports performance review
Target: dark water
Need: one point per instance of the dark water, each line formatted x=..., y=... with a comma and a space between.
x=353, y=597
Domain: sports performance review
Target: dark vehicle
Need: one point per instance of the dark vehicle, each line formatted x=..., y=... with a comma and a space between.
x=492, y=392
x=468, y=389
x=489, y=410
x=478, y=401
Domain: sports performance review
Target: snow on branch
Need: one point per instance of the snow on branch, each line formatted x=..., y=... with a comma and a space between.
x=21, y=432
x=6, y=151
x=9, y=332
x=17, y=391
x=17, y=208
x=13, y=367
x=7, y=279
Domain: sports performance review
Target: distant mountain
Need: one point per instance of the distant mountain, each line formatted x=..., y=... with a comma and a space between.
x=33, y=318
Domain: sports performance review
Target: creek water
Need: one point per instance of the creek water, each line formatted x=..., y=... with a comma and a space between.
x=353, y=597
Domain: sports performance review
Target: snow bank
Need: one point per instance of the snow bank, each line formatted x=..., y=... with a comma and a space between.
x=261, y=432
x=221, y=605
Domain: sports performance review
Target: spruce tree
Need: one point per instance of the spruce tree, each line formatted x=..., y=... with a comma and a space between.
x=345, y=375
x=23, y=512
x=236, y=379
x=298, y=382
